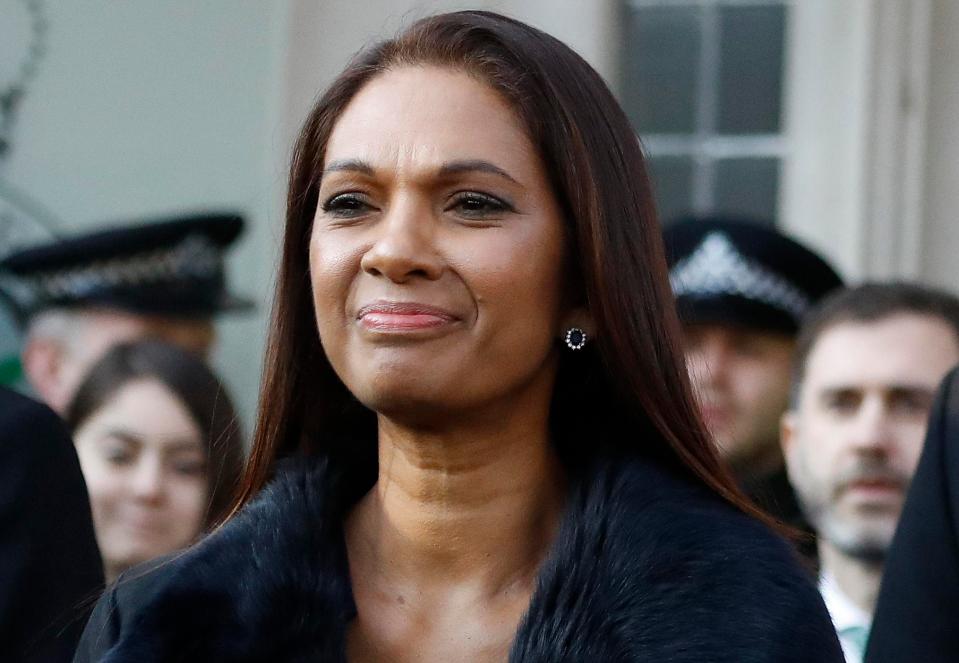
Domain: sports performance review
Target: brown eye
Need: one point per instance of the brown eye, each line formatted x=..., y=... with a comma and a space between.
x=842, y=402
x=190, y=468
x=473, y=205
x=346, y=206
x=119, y=457
x=911, y=403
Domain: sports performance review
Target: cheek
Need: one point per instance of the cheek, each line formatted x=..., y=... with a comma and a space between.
x=703, y=380
x=518, y=277
x=105, y=485
x=188, y=499
x=911, y=448
x=823, y=453
x=762, y=383
x=333, y=268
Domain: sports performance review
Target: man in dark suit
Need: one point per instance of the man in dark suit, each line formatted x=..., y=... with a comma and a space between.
x=869, y=360
x=918, y=608
x=50, y=568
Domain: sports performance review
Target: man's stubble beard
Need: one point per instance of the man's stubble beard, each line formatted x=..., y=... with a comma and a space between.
x=855, y=538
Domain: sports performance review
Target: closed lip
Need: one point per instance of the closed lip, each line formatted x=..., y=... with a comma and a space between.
x=876, y=485
x=403, y=316
x=875, y=489
x=145, y=524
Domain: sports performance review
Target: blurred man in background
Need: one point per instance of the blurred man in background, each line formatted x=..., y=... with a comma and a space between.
x=741, y=289
x=80, y=296
x=868, y=363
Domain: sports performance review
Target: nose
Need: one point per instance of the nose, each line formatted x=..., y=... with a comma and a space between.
x=404, y=248
x=148, y=482
x=871, y=432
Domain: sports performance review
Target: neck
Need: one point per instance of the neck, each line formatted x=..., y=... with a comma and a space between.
x=477, y=505
x=857, y=579
x=112, y=571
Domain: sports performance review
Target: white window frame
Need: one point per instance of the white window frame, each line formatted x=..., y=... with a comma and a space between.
x=705, y=145
x=855, y=117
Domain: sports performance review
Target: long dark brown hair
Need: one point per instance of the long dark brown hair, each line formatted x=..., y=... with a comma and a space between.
x=198, y=389
x=629, y=393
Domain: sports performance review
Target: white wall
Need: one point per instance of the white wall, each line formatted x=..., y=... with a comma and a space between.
x=871, y=114
x=325, y=35
x=143, y=108
x=940, y=242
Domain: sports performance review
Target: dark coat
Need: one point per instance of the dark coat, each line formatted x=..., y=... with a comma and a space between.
x=49, y=562
x=917, y=615
x=646, y=567
x=776, y=496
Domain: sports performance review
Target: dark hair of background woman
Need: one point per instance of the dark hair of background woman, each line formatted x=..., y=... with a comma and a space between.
x=195, y=385
x=627, y=394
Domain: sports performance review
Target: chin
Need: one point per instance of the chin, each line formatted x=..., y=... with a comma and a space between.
x=398, y=397
x=419, y=405
x=410, y=411
x=868, y=541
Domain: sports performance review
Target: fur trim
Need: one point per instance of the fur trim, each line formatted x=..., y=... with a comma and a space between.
x=646, y=567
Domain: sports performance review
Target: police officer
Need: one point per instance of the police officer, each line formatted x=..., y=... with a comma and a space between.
x=79, y=296
x=742, y=289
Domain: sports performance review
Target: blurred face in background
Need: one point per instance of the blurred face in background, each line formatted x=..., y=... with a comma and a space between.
x=144, y=462
x=62, y=345
x=854, y=439
x=741, y=377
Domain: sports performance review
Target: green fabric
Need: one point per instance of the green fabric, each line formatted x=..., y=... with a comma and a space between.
x=10, y=370
x=857, y=636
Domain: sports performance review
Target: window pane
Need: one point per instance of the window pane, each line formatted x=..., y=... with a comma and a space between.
x=747, y=186
x=751, y=69
x=672, y=185
x=660, y=66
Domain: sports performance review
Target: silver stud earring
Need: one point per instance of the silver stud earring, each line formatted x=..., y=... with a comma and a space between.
x=575, y=338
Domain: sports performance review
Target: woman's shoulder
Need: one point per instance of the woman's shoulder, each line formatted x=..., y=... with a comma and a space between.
x=124, y=598
x=663, y=515
x=678, y=573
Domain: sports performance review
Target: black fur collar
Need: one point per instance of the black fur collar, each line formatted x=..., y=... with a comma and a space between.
x=646, y=567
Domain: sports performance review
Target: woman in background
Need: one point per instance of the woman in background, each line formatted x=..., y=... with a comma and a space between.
x=159, y=447
x=489, y=446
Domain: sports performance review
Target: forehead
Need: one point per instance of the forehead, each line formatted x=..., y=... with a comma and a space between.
x=147, y=407
x=422, y=116
x=728, y=333
x=900, y=349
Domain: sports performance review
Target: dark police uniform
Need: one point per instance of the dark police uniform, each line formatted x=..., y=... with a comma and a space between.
x=170, y=267
x=742, y=273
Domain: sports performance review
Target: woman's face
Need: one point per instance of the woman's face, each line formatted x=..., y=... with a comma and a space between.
x=437, y=249
x=144, y=463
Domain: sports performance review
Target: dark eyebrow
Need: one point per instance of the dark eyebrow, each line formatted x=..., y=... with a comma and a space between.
x=910, y=390
x=123, y=435
x=447, y=169
x=348, y=165
x=474, y=165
